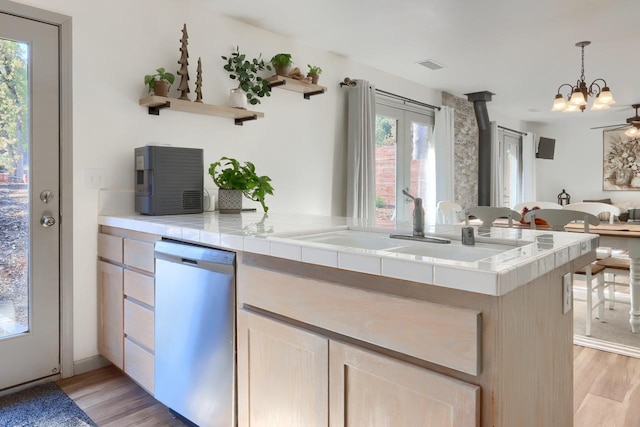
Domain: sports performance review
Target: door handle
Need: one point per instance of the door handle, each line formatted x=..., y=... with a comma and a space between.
x=47, y=221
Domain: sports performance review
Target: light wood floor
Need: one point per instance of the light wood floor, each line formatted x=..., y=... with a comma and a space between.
x=606, y=389
x=606, y=393
x=110, y=398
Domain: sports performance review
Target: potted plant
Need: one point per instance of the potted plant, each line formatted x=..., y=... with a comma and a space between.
x=234, y=180
x=314, y=73
x=282, y=63
x=251, y=87
x=160, y=82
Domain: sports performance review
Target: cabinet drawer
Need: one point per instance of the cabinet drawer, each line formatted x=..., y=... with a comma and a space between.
x=110, y=247
x=139, y=255
x=447, y=336
x=139, y=286
x=138, y=364
x=139, y=324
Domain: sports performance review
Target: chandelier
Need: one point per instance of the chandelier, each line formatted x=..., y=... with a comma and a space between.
x=579, y=93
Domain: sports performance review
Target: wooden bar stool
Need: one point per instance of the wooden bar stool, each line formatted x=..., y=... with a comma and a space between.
x=594, y=277
x=614, y=267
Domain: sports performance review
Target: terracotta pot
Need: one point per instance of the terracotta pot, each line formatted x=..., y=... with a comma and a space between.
x=161, y=88
x=283, y=70
x=229, y=201
x=314, y=78
x=238, y=98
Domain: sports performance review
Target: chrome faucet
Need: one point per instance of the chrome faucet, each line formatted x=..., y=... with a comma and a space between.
x=418, y=214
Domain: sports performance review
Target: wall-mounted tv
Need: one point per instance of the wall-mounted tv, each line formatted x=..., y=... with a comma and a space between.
x=546, y=147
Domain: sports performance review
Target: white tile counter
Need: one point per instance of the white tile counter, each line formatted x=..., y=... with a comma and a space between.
x=534, y=253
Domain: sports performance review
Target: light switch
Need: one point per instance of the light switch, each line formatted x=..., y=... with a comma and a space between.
x=567, y=293
x=94, y=179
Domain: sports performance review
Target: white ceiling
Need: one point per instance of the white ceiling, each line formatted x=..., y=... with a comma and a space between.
x=521, y=50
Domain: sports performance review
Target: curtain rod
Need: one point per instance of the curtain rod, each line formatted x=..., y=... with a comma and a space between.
x=349, y=82
x=511, y=130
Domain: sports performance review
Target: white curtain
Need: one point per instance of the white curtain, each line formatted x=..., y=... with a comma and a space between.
x=497, y=172
x=528, y=167
x=444, y=147
x=361, y=175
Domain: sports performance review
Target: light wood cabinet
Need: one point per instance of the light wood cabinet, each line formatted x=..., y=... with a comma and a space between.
x=288, y=375
x=282, y=374
x=126, y=283
x=110, y=317
x=369, y=389
x=406, y=353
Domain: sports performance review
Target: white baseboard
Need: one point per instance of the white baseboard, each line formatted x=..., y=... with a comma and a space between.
x=622, y=349
x=89, y=364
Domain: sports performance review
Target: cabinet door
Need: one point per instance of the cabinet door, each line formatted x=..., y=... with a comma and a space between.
x=372, y=390
x=110, y=316
x=282, y=374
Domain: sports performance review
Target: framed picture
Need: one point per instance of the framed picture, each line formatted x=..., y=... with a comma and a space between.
x=621, y=161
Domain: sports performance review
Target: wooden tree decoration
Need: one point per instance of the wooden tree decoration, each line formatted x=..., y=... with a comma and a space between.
x=183, y=72
x=199, y=82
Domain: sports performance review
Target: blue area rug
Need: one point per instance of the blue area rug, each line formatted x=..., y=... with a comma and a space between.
x=43, y=405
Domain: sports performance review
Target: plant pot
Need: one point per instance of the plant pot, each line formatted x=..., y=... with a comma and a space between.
x=229, y=201
x=238, y=98
x=283, y=70
x=314, y=78
x=161, y=88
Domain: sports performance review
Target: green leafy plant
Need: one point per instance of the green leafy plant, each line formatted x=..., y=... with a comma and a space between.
x=313, y=70
x=245, y=72
x=151, y=79
x=229, y=174
x=381, y=203
x=281, y=60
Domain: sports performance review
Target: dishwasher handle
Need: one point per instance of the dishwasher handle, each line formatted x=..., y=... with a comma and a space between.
x=193, y=255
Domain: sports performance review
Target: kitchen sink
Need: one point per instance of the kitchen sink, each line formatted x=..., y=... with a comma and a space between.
x=352, y=239
x=454, y=250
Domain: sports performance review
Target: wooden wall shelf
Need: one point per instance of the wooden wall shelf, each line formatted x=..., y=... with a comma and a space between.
x=157, y=103
x=307, y=89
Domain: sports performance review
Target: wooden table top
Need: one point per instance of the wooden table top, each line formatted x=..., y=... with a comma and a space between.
x=621, y=229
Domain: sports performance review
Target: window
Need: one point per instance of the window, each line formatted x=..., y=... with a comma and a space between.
x=404, y=159
x=510, y=145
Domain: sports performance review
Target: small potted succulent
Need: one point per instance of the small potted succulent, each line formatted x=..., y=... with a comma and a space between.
x=251, y=87
x=234, y=180
x=314, y=73
x=282, y=63
x=160, y=82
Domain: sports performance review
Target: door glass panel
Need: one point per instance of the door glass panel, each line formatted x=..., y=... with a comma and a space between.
x=386, y=160
x=422, y=167
x=511, y=172
x=14, y=188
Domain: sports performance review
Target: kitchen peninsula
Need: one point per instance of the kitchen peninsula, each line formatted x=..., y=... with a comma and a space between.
x=338, y=324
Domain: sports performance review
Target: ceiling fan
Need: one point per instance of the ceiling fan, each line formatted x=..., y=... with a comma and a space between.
x=632, y=126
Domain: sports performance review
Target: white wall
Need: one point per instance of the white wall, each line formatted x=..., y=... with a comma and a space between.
x=300, y=144
x=578, y=162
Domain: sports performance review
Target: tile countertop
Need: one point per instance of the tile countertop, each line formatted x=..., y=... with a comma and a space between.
x=534, y=252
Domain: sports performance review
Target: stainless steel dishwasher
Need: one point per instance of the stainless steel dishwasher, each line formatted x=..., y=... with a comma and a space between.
x=195, y=332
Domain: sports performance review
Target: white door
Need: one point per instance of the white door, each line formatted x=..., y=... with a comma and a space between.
x=405, y=160
x=29, y=201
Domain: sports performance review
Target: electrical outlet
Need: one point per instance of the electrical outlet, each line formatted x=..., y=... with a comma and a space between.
x=567, y=293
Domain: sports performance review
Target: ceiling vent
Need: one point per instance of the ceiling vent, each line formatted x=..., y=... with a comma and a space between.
x=431, y=64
